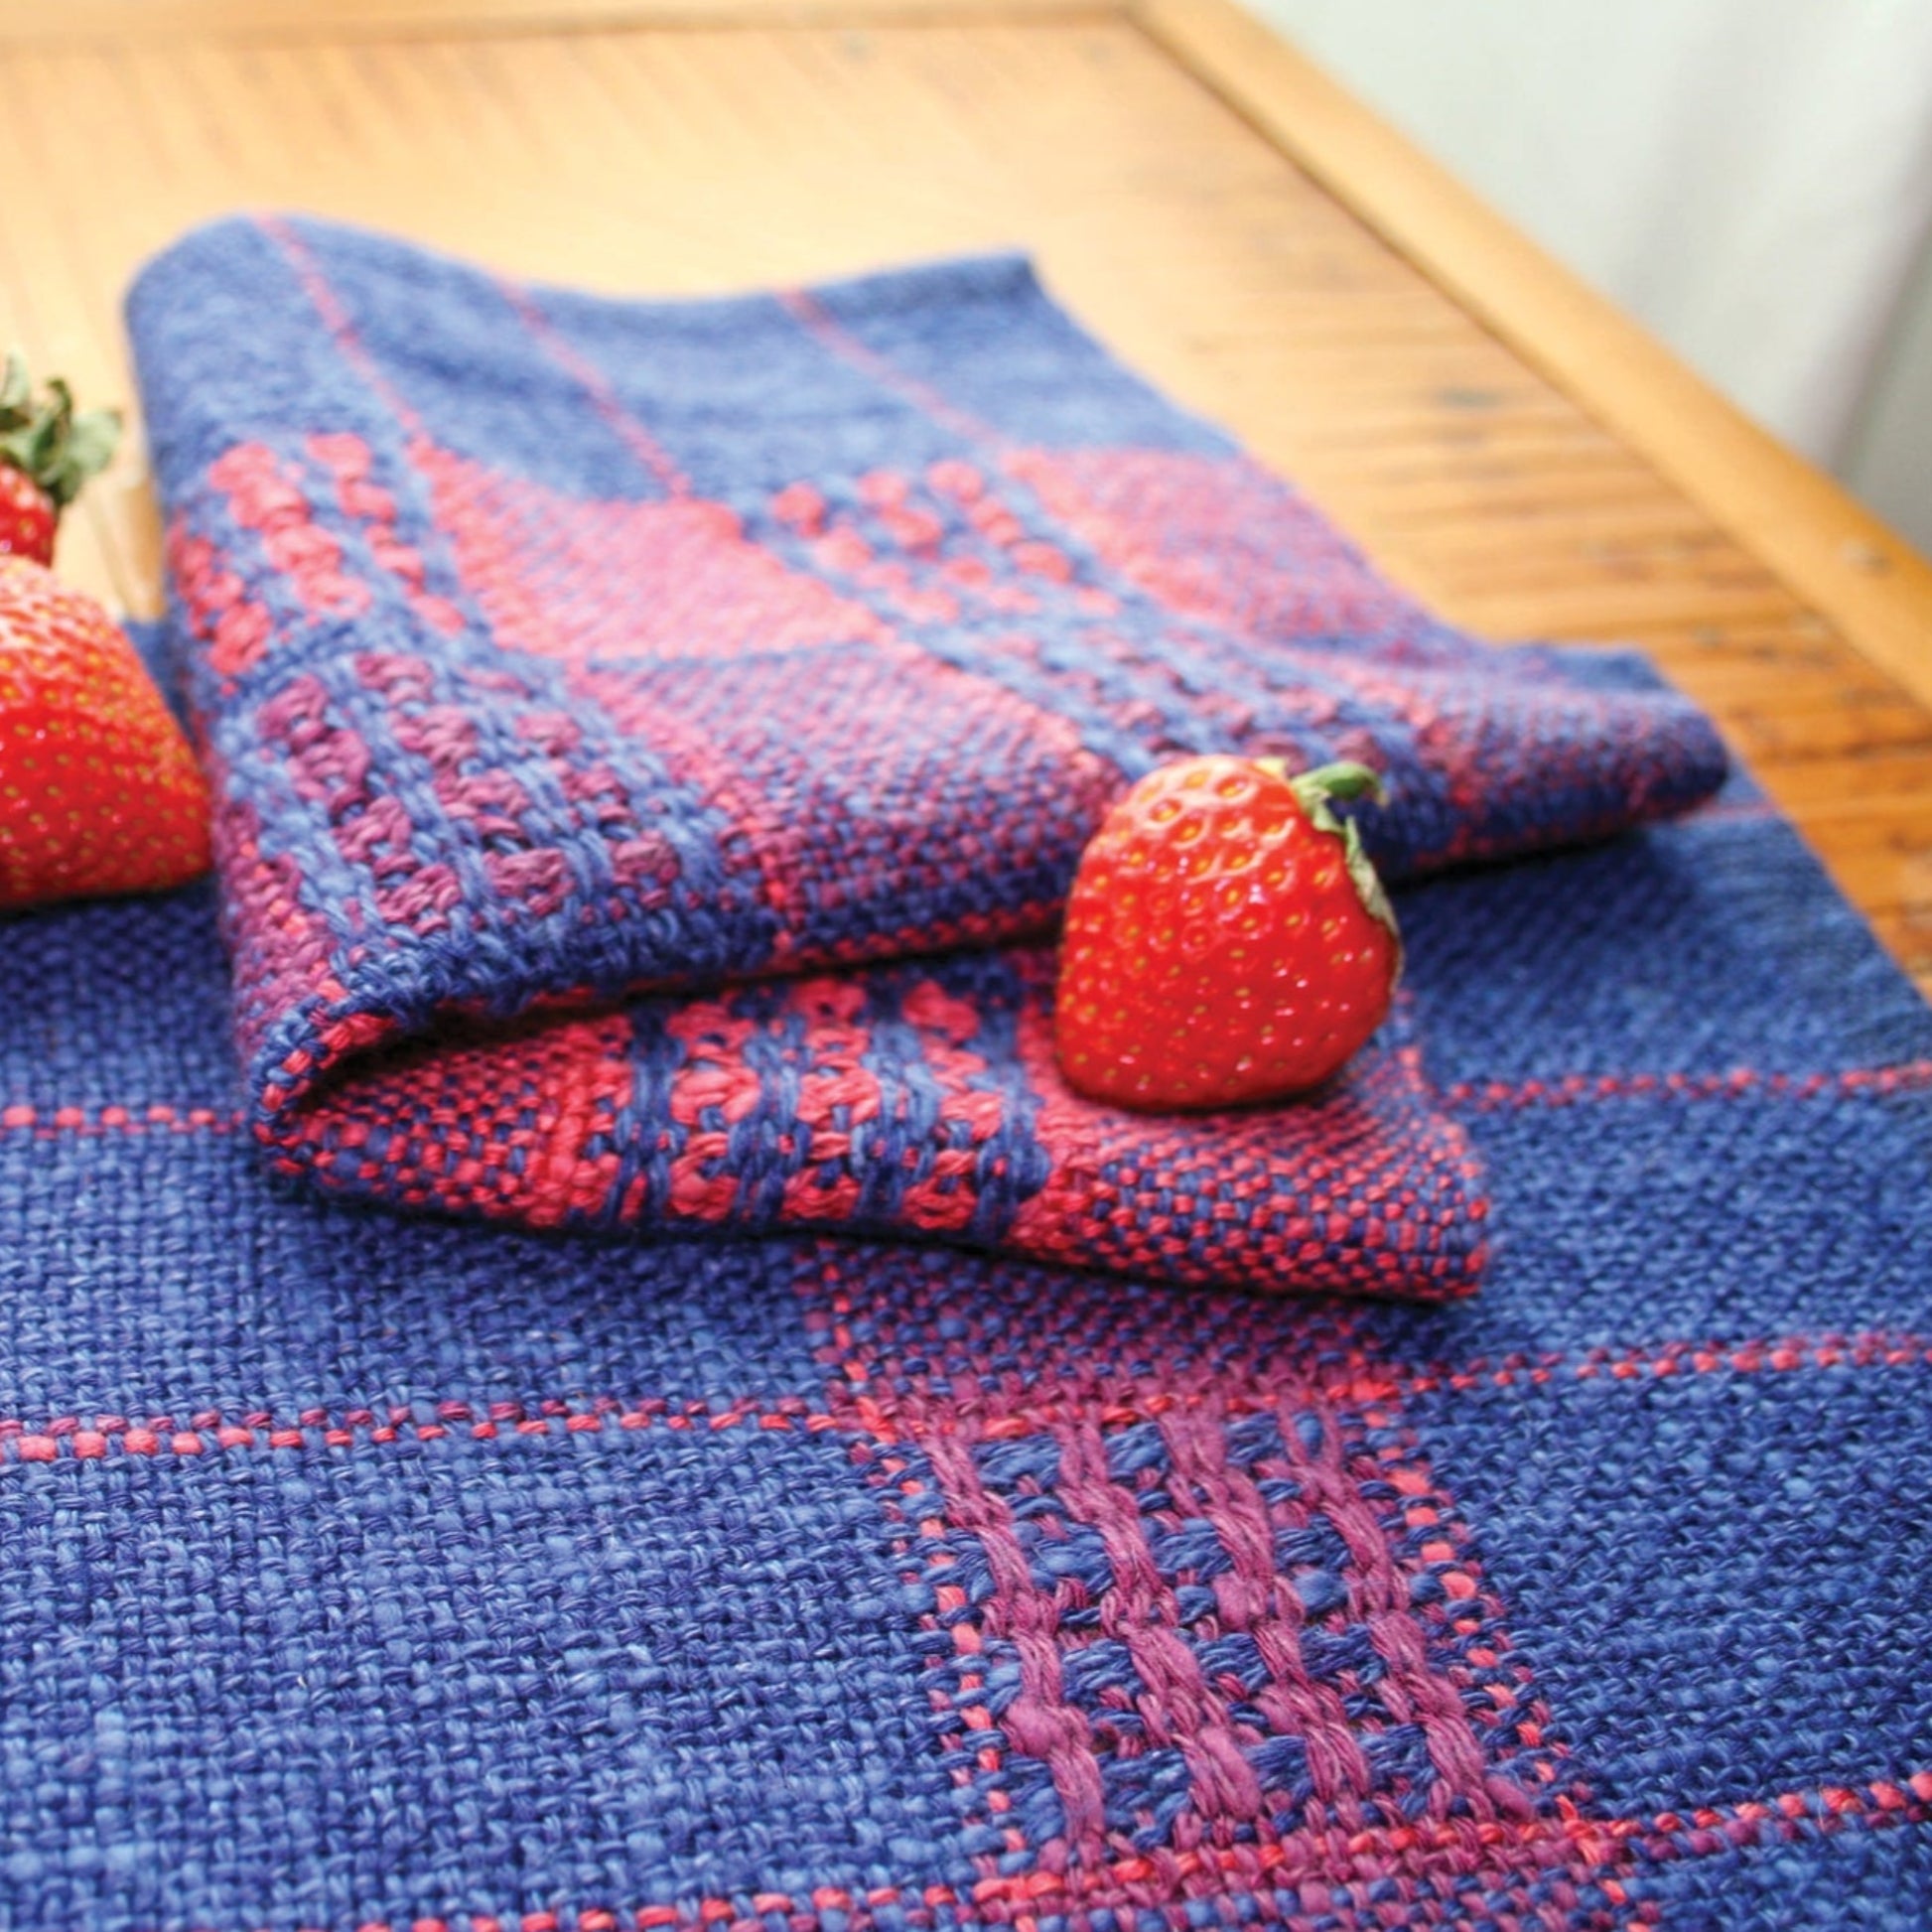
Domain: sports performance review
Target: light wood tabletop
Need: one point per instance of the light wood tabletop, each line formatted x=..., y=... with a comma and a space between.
x=1502, y=441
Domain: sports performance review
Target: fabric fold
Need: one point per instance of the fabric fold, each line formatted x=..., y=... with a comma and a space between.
x=613, y=706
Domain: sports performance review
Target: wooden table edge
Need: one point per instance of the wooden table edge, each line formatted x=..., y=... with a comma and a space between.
x=47, y=25
x=1804, y=527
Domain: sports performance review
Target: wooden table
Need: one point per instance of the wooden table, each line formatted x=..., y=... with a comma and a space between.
x=1501, y=440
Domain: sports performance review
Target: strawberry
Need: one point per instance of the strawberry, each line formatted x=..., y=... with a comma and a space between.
x=27, y=517
x=98, y=790
x=1226, y=938
x=46, y=453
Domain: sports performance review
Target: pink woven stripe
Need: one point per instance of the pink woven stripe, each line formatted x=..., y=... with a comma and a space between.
x=1571, y=1089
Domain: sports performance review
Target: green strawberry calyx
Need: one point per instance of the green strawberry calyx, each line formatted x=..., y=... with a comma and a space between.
x=44, y=436
x=1317, y=792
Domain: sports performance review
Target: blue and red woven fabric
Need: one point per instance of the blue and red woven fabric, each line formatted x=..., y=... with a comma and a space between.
x=374, y=1570
x=555, y=655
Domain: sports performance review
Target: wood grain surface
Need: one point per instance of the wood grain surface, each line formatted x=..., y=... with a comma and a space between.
x=1154, y=168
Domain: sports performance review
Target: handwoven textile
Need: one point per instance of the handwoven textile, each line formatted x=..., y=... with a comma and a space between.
x=371, y=1572
x=360, y=1570
x=614, y=706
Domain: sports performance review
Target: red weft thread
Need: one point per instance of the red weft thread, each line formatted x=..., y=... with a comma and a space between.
x=812, y=315
x=154, y=1117
x=1567, y=1090
x=596, y=386
x=1780, y=1355
x=90, y=1438
x=335, y=318
x=1600, y=1846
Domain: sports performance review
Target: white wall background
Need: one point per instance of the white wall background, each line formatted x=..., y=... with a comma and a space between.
x=1751, y=179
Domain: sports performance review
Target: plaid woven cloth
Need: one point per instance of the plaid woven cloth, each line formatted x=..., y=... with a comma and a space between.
x=362, y=1570
x=552, y=655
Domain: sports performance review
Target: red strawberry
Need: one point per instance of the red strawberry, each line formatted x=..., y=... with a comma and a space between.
x=46, y=453
x=98, y=790
x=1226, y=940
x=27, y=517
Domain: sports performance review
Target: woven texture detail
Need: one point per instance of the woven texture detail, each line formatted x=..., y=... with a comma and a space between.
x=561, y=660
x=362, y=1570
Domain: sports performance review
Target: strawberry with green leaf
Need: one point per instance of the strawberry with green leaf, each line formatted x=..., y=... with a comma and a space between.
x=47, y=450
x=1227, y=939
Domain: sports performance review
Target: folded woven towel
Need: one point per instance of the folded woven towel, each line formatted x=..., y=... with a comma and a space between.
x=555, y=654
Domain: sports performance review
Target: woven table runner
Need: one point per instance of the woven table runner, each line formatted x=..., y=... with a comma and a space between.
x=375, y=1572
x=361, y=1569
x=593, y=689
